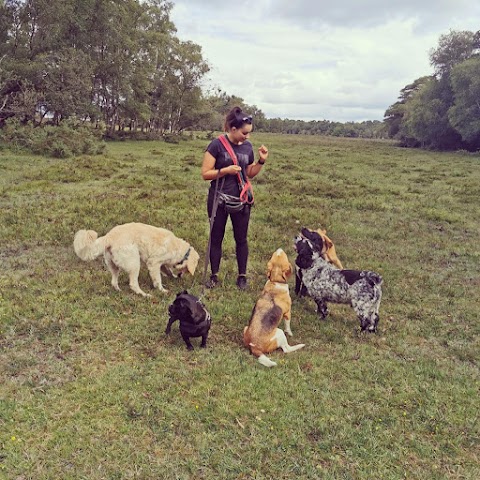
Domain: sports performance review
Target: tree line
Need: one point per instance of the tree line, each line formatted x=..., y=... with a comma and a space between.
x=118, y=65
x=442, y=111
x=113, y=61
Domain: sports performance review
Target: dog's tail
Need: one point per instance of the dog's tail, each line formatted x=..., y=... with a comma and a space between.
x=374, y=278
x=87, y=245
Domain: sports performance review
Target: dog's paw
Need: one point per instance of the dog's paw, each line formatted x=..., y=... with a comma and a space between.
x=289, y=332
x=322, y=312
x=139, y=291
x=266, y=362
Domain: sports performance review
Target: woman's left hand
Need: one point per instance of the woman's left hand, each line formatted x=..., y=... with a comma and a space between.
x=263, y=152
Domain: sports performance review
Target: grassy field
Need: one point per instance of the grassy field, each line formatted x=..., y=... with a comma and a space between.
x=90, y=387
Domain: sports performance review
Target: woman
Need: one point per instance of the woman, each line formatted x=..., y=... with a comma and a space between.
x=219, y=166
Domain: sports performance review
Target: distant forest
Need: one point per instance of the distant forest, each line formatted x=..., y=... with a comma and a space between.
x=119, y=66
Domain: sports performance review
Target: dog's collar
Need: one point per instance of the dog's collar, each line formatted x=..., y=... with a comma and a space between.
x=280, y=285
x=185, y=257
x=208, y=318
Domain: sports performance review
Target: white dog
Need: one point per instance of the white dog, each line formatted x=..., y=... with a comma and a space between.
x=124, y=246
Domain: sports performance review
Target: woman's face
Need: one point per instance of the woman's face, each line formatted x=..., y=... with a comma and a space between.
x=239, y=135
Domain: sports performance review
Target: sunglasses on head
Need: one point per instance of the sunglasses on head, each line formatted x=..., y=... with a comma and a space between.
x=239, y=121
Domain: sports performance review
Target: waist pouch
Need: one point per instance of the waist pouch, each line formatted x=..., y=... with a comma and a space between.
x=230, y=203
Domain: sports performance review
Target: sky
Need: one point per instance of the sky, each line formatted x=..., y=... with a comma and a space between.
x=337, y=60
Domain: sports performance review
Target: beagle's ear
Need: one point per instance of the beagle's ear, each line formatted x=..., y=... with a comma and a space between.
x=286, y=273
x=269, y=269
x=328, y=242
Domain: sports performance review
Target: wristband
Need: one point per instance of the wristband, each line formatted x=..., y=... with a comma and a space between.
x=261, y=163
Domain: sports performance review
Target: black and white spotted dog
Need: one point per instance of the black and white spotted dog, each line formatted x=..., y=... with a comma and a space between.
x=361, y=289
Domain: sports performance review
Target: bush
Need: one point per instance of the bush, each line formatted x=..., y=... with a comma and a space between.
x=122, y=135
x=68, y=139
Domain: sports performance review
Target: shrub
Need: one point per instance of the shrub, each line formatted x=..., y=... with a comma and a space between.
x=123, y=135
x=69, y=138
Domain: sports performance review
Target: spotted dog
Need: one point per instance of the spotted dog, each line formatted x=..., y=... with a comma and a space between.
x=329, y=253
x=361, y=289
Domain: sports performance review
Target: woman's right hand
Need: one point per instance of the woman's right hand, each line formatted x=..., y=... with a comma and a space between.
x=209, y=172
x=231, y=169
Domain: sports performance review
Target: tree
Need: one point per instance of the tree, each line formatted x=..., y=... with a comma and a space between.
x=453, y=48
x=464, y=115
x=66, y=84
x=442, y=111
x=117, y=60
x=426, y=117
x=219, y=103
x=393, y=116
x=177, y=92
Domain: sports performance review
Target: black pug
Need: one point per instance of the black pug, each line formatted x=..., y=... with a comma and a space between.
x=195, y=320
x=361, y=289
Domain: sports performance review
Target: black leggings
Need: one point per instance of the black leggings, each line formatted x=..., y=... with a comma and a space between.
x=240, y=223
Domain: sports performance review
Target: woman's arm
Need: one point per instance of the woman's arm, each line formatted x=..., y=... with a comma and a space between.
x=254, y=168
x=209, y=172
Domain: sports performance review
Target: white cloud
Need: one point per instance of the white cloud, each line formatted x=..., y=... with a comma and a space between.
x=312, y=59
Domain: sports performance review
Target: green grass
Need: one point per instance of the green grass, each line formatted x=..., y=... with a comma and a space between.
x=90, y=387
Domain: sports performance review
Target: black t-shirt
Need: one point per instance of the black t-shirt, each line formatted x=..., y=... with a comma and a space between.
x=245, y=157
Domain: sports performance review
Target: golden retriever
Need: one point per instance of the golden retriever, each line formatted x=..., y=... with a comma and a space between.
x=124, y=246
x=262, y=334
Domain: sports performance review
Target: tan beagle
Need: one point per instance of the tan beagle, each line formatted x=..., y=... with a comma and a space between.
x=262, y=334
